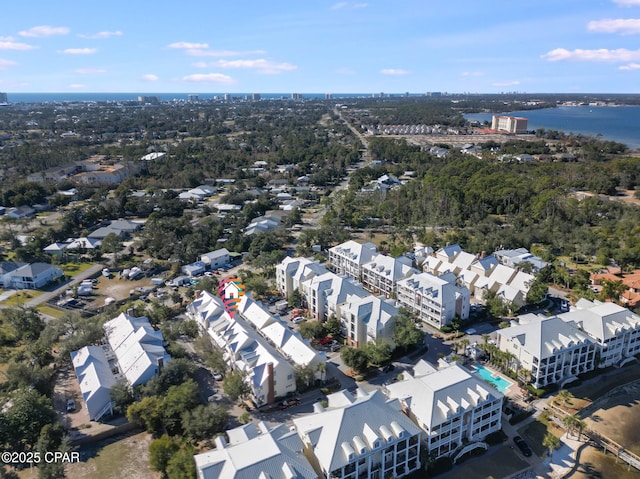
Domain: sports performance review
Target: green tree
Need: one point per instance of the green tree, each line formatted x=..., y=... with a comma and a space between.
x=312, y=330
x=182, y=465
x=112, y=243
x=121, y=396
x=405, y=333
x=551, y=442
x=354, y=358
x=204, y=421
x=612, y=290
x=235, y=386
x=161, y=451
x=7, y=474
x=29, y=413
x=179, y=399
x=212, y=356
x=305, y=376
x=147, y=413
x=51, y=439
x=378, y=352
x=332, y=326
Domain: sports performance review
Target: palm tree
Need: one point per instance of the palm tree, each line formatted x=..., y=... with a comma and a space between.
x=464, y=343
x=551, y=442
x=565, y=396
x=570, y=421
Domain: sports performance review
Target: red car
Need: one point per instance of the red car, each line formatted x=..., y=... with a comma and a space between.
x=325, y=341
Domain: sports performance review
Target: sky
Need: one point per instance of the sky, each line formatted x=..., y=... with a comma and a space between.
x=318, y=46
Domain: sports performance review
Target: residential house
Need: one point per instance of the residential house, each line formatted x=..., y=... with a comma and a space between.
x=268, y=374
x=255, y=451
x=21, y=212
x=435, y=299
x=288, y=343
x=553, y=350
x=453, y=406
x=347, y=258
x=615, y=329
x=194, y=269
x=139, y=349
x=28, y=276
x=215, y=259
x=360, y=436
x=56, y=249
x=133, y=353
x=94, y=369
x=515, y=257
x=262, y=224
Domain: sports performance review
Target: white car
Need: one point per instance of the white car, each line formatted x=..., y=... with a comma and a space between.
x=298, y=319
x=216, y=375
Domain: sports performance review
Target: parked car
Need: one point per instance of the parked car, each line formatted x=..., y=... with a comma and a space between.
x=71, y=405
x=289, y=402
x=471, y=331
x=523, y=446
x=298, y=319
x=216, y=375
x=388, y=368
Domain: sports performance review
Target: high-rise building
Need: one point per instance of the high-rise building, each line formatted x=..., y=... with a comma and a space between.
x=510, y=124
x=192, y=98
x=3, y=98
x=255, y=96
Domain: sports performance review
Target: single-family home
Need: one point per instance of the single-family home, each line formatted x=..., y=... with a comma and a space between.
x=215, y=259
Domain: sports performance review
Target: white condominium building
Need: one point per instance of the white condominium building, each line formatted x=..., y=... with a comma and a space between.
x=347, y=258
x=255, y=452
x=364, y=436
x=367, y=320
x=555, y=351
x=615, y=329
x=380, y=275
x=436, y=300
x=453, y=406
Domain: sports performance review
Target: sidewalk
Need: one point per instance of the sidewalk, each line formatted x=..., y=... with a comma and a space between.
x=565, y=457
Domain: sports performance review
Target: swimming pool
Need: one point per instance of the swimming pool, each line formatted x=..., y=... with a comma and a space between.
x=500, y=383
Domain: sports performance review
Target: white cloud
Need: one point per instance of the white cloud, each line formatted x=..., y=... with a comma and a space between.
x=201, y=52
x=624, y=26
x=630, y=66
x=90, y=71
x=100, y=35
x=472, y=74
x=76, y=86
x=627, y=3
x=44, y=31
x=11, y=45
x=5, y=64
x=188, y=45
x=352, y=5
x=150, y=77
x=78, y=51
x=260, y=64
x=394, y=71
x=601, y=55
x=217, y=78
x=506, y=83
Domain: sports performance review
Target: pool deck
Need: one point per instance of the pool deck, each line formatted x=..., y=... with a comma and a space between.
x=508, y=390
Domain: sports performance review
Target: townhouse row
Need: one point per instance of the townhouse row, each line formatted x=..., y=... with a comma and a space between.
x=555, y=350
x=258, y=344
x=372, y=435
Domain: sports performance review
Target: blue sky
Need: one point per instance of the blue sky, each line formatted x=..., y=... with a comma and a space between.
x=318, y=46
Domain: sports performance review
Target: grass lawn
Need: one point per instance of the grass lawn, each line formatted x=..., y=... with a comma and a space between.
x=71, y=269
x=49, y=311
x=127, y=458
x=21, y=297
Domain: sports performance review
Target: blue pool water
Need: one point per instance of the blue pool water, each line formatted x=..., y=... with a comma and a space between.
x=498, y=382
